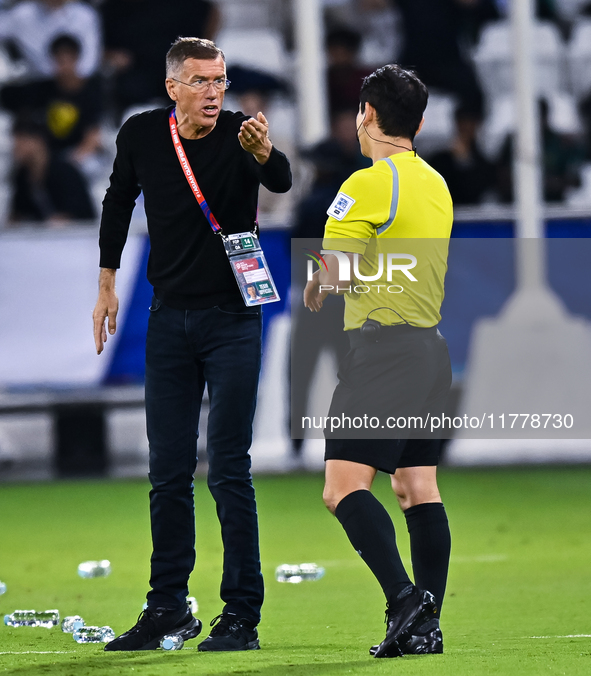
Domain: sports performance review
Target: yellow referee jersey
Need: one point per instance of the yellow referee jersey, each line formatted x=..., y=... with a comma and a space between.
x=396, y=216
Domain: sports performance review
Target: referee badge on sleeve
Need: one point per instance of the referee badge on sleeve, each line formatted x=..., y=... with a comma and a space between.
x=340, y=207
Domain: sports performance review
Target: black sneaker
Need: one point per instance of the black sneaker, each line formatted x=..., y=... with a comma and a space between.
x=412, y=608
x=230, y=633
x=425, y=640
x=152, y=625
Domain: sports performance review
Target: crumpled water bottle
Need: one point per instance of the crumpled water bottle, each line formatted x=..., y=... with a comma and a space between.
x=71, y=623
x=172, y=642
x=21, y=618
x=288, y=573
x=94, y=635
x=311, y=571
x=88, y=569
x=298, y=573
x=2, y=588
x=48, y=618
x=33, y=618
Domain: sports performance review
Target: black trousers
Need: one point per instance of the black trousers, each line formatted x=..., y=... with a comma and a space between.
x=220, y=346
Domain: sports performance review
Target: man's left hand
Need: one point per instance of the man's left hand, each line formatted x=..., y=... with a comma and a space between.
x=254, y=138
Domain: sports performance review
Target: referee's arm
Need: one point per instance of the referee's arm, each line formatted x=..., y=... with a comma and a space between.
x=327, y=281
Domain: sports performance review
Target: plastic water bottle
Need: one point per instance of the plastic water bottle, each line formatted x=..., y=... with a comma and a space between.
x=89, y=569
x=288, y=573
x=298, y=573
x=71, y=623
x=48, y=619
x=311, y=571
x=94, y=635
x=21, y=618
x=172, y=642
x=2, y=588
x=33, y=618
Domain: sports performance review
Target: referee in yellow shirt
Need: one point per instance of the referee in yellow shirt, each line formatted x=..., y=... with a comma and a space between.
x=389, y=229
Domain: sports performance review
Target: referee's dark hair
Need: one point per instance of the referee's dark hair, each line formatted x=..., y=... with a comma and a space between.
x=190, y=48
x=399, y=98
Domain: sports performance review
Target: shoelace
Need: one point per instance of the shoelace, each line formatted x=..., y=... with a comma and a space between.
x=389, y=613
x=146, y=616
x=225, y=623
x=395, y=609
x=143, y=618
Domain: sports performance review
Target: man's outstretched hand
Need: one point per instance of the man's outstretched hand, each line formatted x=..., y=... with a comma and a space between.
x=254, y=137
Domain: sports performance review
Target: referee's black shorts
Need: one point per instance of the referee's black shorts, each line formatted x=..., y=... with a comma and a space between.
x=395, y=382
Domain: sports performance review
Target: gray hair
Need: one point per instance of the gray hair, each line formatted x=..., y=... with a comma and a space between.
x=190, y=48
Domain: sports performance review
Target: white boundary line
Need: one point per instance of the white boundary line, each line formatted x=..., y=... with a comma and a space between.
x=567, y=636
x=60, y=652
x=37, y=652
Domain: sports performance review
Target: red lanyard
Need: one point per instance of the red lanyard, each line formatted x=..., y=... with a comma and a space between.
x=178, y=146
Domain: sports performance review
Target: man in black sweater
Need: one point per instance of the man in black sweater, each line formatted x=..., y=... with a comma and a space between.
x=200, y=331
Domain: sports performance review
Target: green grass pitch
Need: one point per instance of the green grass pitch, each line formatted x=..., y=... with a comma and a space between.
x=518, y=597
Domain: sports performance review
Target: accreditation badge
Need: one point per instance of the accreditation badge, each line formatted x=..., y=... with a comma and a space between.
x=250, y=268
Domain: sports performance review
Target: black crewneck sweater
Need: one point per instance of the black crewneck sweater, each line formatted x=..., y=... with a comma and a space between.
x=188, y=266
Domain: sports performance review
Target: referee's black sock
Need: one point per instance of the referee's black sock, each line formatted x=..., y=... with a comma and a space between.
x=430, y=547
x=371, y=532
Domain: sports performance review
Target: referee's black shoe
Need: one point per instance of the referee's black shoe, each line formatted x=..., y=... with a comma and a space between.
x=425, y=640
x=155, y=623
x=412, y=608
x=230, y=633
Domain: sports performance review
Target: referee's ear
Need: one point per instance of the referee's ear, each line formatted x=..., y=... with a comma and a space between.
x=369, y=114
x=420, y=126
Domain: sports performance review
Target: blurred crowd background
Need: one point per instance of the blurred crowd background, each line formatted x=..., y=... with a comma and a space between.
x=72, y=71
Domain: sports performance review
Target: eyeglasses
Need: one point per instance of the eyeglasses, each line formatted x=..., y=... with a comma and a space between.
x=202, y=85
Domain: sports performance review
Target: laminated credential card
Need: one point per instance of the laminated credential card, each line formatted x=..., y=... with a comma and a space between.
x=250, y=269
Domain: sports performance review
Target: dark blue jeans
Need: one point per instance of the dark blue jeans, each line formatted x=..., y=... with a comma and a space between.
x=186, y=349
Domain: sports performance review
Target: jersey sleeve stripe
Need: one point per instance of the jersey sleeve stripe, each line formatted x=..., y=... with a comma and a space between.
x=395, y=195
